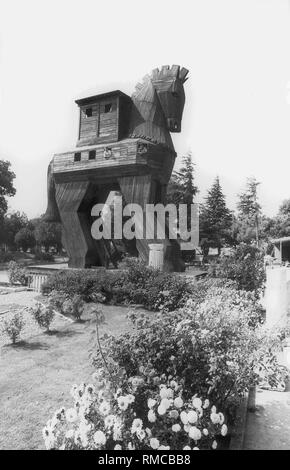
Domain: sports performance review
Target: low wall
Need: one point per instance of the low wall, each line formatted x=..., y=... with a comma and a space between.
x=277, y=296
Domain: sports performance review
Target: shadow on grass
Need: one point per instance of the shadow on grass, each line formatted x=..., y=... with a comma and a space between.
x=26, y=346
x=64, y=333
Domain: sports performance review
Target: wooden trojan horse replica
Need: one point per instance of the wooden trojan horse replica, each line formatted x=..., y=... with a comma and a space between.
x=124, y=144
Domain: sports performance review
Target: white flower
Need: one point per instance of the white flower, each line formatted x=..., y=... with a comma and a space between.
x=192, y=416
x=205, y=432
x=117, y=430
x=151, y=403
x=214, y=445
x=186, y=448
x=69, y=434
x=130, y=398
x=165, y=403
x=215, y=419
x=224, y=430
x=140, y=433
x=178, y=402
x=195, y=448
x=176, y=427
x=154, y=443
x=117, y=447
x=123, y=403
x=163, y=392
x=196, y=402
x=222, y=418
x=194, y=433
x=169, y=393
x=151, y=416
x=164, y=448
x=105, y=408
x=186, y=427
x=173, y=384
x=100, y=438
x=148, y=431
x=184, y=417
x=206, y=403
x=131, y=446
x=137, y=424
x=213, y=409
x=173, y=414
x=161, y=410
x=109, y=421
x=71, y=415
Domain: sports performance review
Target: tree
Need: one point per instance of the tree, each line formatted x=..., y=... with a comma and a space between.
x=215, y=217
x=6, y=186
x=11, y=224
x=25, y=238
x=249, y=212
x=278, y=226
x=48, y=234
x=181, y=188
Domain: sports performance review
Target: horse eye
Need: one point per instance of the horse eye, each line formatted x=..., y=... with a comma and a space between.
x=175, y=94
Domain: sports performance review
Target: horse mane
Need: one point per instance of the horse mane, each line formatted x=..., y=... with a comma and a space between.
x=165, y=73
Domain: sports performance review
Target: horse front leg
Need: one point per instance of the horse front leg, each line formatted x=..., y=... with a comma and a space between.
x=74, y=200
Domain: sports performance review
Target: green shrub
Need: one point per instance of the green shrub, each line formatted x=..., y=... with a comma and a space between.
x=74, y=307
x=13, y=326
x=5, y=257
x=40, y=256
x=17, y=274
x=57, y=300
x=43, y=315
x=138, y=284
x=80, y=282
x=245, y=266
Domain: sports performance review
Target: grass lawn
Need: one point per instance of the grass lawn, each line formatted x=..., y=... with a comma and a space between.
x=36, y=377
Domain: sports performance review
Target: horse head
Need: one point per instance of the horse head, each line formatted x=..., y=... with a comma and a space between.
x=168, y=83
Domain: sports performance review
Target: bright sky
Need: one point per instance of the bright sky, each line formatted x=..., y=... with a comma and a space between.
x=236, y=119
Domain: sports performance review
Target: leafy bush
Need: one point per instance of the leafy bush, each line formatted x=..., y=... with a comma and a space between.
x=13, y=326
x=138, y=284
x=74, y=307
x=17, y=274
x=80, y=282
x=138, y=415
x=43, y=315
x=57, y=300
x=40, y=256
x=5, y=257
x=245, y=266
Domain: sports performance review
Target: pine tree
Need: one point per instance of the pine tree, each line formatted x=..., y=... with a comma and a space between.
x=215, y=217
x=249, y=209
x=181, y=188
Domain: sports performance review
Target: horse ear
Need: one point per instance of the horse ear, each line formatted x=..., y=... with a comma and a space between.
x=155, y=73
x=182, y=74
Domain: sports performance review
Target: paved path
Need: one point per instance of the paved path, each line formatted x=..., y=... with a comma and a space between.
x=268, y=428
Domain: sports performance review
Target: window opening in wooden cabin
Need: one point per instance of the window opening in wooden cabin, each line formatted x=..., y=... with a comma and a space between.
x=77, y=157
x=89, y=112
x=108, y=107
x=92, y=155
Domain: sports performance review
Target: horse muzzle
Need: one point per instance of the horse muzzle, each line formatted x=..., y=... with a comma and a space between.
x=173, y=125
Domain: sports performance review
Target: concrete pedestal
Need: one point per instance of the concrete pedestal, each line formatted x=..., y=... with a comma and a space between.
x=156, y=255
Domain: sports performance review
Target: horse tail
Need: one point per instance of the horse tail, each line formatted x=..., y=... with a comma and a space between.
x=52, y=212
